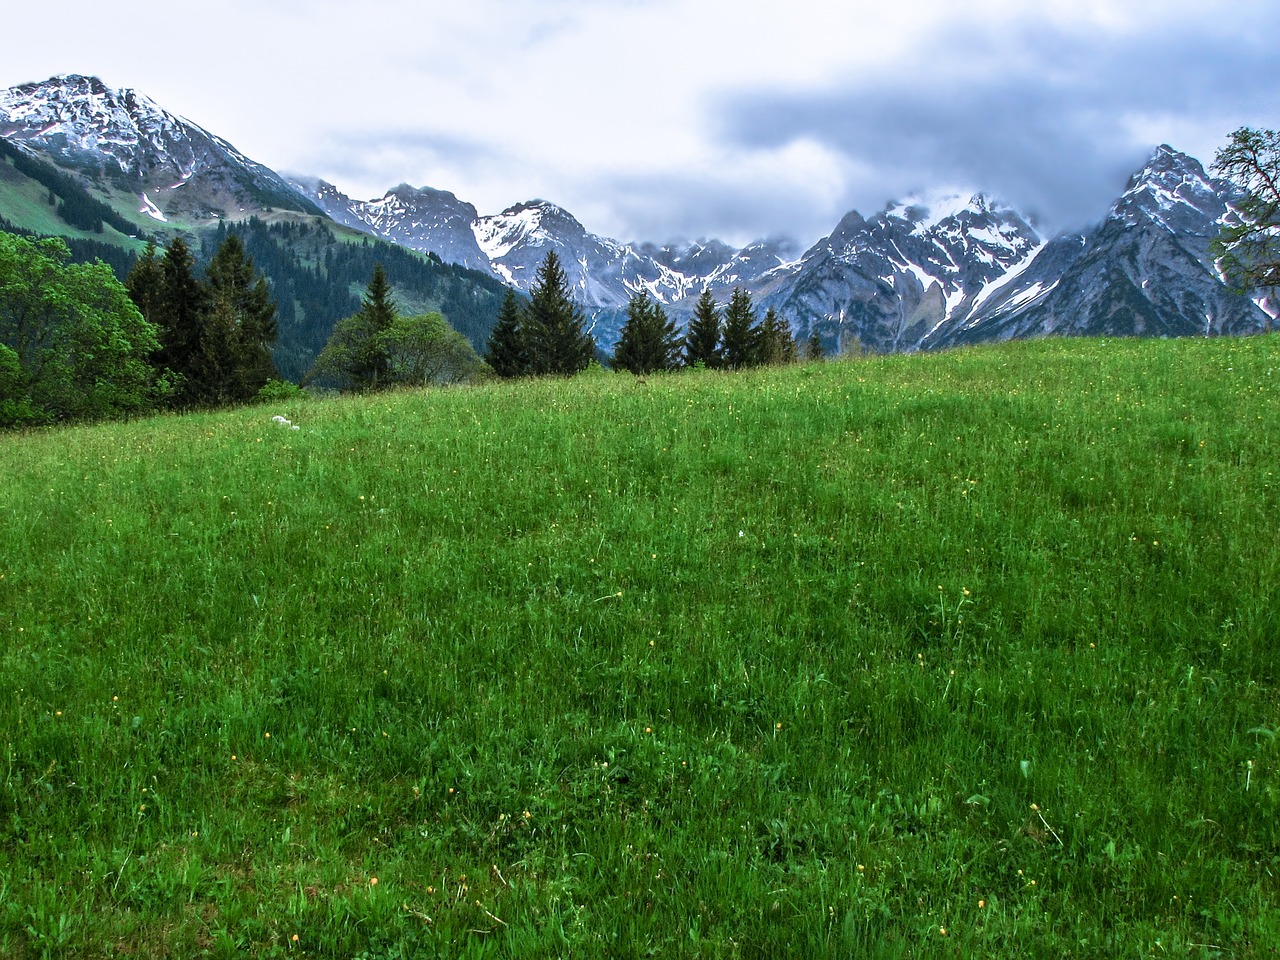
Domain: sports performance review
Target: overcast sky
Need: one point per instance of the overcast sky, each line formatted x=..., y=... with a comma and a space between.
x=664, y=119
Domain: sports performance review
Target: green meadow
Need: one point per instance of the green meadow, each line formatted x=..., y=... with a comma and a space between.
x=960, y=655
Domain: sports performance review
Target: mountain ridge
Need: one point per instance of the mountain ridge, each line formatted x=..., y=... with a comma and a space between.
x=926, y=272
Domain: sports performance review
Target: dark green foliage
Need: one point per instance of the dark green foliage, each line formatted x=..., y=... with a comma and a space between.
x=649, y=341
x=558, y=342
x=813, y=347
x=702, y=341
x=1249, y=247
x=777, y=344
x=178, y=313
x=507, y=351
x=241, y=298
x=742, y=335
x=356, y=356
x=74, y=345
x=312, y=276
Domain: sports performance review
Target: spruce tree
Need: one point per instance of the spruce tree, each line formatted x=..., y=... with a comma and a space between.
x=813, y=347
x=777, y=344
x=702, y=341
x=180, y=317
x=649, y=341
x=508, y=351
x=741, y=332
x=557, y=338
x=245, y=301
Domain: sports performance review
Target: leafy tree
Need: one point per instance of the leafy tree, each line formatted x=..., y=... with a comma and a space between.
x=557, y=339
x=1249, y=247
x=777, y=344
x=75, y=346
x=424, y=350
x=702, y=341
x=741, y=332
x=508, y=348
x=649, y=341
x=356, y=356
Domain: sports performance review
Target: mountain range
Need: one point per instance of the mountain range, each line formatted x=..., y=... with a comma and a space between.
x=926, y=272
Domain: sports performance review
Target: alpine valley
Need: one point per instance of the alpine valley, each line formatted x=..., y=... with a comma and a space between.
x=929, y=271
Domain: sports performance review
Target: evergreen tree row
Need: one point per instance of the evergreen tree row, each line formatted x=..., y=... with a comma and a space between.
x=215, y=334
x=732, y=339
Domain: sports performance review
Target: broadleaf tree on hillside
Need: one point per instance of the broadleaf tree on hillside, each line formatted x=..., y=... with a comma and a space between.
x=649, y=341
x=72, y=343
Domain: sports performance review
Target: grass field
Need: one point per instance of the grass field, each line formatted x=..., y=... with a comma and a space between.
x=966, y=655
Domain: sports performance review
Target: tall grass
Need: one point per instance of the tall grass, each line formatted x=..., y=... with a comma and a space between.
x=966, y=655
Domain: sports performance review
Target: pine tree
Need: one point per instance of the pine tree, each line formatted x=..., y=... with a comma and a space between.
x=649, y=341
x=813, y=347
x=777, y=344
x=508, y=351
x=557, y=339
x=245, y=301
x=702, y=341
x=179, y=317
x=741, y=332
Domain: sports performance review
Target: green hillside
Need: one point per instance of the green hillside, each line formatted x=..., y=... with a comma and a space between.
x=316, y=268
x=964, y=655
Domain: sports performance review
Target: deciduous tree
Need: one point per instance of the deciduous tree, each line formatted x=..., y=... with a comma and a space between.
x=1248, y=247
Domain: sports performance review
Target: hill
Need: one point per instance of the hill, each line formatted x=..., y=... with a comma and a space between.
x=966, y=654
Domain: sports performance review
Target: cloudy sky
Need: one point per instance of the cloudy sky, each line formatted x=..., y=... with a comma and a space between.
x=662, y=119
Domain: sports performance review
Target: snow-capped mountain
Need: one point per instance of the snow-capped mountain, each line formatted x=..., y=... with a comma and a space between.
x=605, y=273
x=1145, y=270
x=177, y=169
x=423, y=219
x=895, y=280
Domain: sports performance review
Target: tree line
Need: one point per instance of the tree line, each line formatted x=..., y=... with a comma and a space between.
x=547, y=334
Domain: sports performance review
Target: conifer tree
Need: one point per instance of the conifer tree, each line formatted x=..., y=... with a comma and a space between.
x=557, y=339
x=180, y=309
x=813, y=347
x=649, y=341
x=777, y=344
x=702, y=341
x=508, y=351
x=243, y=300
x=741, y=332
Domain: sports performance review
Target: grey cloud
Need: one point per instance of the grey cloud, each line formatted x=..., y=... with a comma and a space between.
x=1050, y=134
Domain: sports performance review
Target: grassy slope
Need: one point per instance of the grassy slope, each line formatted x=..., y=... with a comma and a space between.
x=774, y=664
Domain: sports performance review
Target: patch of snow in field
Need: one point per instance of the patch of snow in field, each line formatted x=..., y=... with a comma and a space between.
x=151, y=210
